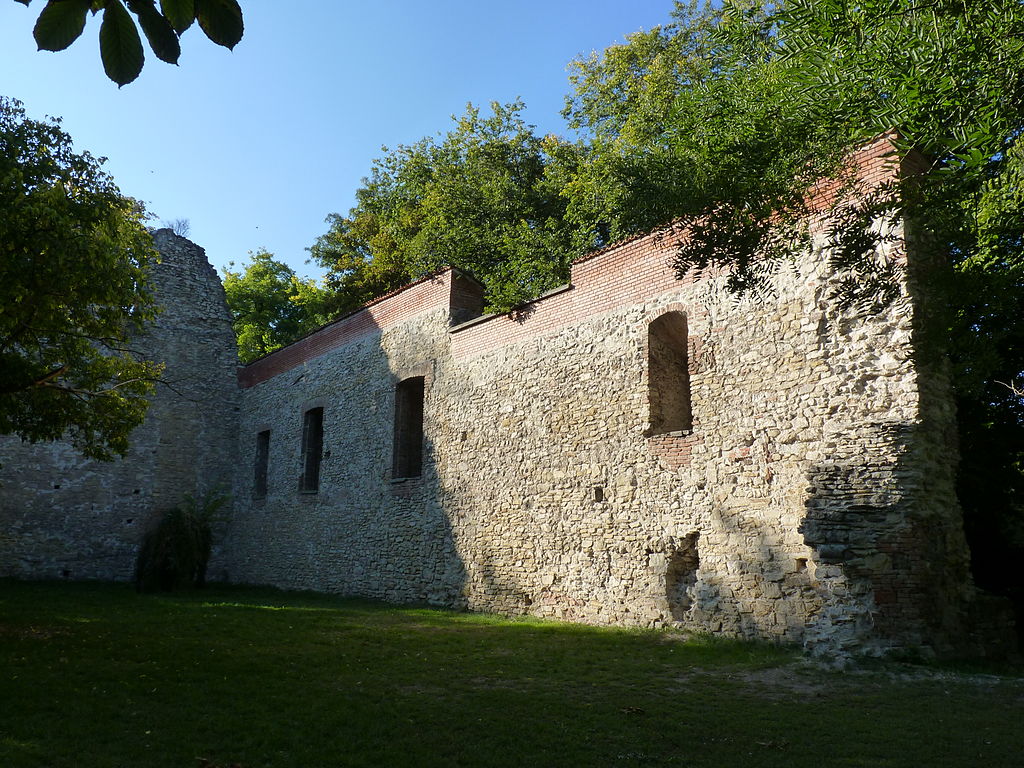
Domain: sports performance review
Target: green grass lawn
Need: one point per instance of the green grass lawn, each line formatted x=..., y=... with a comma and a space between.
x=97, y=675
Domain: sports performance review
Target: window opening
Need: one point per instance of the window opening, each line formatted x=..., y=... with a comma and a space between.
x=312, y=449
x=262, y=464
x=408, y=447
x=668, y=375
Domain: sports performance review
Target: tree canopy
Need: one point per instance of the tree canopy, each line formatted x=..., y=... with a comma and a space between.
x=74, y=292
x=478, y=197
x=270, y=306
x=61, y=22
x=721, y=120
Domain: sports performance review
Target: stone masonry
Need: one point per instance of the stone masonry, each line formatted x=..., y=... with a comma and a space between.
x=629, y=449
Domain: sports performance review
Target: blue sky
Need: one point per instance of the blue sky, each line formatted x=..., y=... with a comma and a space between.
x=255, y=147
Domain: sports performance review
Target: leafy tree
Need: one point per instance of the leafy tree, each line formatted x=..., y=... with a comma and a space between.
x=73, y=292
x=478, y=197
x=360, y=259
x=61, y=22
x=270, y=305
x=695, y=123
x=721, y=120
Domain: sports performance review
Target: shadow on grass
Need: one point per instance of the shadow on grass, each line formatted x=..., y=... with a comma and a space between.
x=98, y=675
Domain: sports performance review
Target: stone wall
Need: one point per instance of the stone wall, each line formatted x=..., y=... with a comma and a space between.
x=64, y=516
x=629, y=449
x=805, y=495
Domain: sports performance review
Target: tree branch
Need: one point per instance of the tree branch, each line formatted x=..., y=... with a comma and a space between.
x=1015, y=390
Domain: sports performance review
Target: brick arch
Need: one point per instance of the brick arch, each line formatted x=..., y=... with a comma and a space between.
x=651, y=315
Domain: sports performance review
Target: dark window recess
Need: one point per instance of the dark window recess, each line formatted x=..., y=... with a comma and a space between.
x=668, y=374
x=312, y=449
x=408, y=451
x=262, y=464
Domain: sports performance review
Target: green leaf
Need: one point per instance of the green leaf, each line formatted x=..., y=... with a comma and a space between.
x=158, y=31
x=23, y=2
x=180, y=13
x=60, y=24
x=221, y=20
x=120, y=45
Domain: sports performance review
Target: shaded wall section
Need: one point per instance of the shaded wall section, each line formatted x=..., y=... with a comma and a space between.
x=366, y=530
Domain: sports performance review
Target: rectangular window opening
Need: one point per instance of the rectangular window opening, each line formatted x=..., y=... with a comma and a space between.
x=408, y=447
x=262, y=464
x=312, y=449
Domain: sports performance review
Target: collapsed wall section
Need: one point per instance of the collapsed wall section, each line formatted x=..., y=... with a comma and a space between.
x=64, y=516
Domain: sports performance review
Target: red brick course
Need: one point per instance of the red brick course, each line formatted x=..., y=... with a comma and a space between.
x=387, y=311
x=628, y=274
x=620, y=275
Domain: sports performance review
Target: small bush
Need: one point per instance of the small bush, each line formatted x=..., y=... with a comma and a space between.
x=174, y=554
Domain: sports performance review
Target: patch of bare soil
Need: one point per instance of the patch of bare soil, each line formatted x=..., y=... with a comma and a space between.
x=31, y=632
x=810, y=679
x=788, y=681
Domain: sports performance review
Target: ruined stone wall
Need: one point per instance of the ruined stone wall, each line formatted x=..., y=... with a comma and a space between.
x=802, y=502
x=62, y=515
x=629, y=449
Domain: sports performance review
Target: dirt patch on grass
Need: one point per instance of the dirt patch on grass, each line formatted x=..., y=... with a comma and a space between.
x=779, y=682
x=785, y=682
x=491, y=683
x=31, y=632
x=807, y=679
